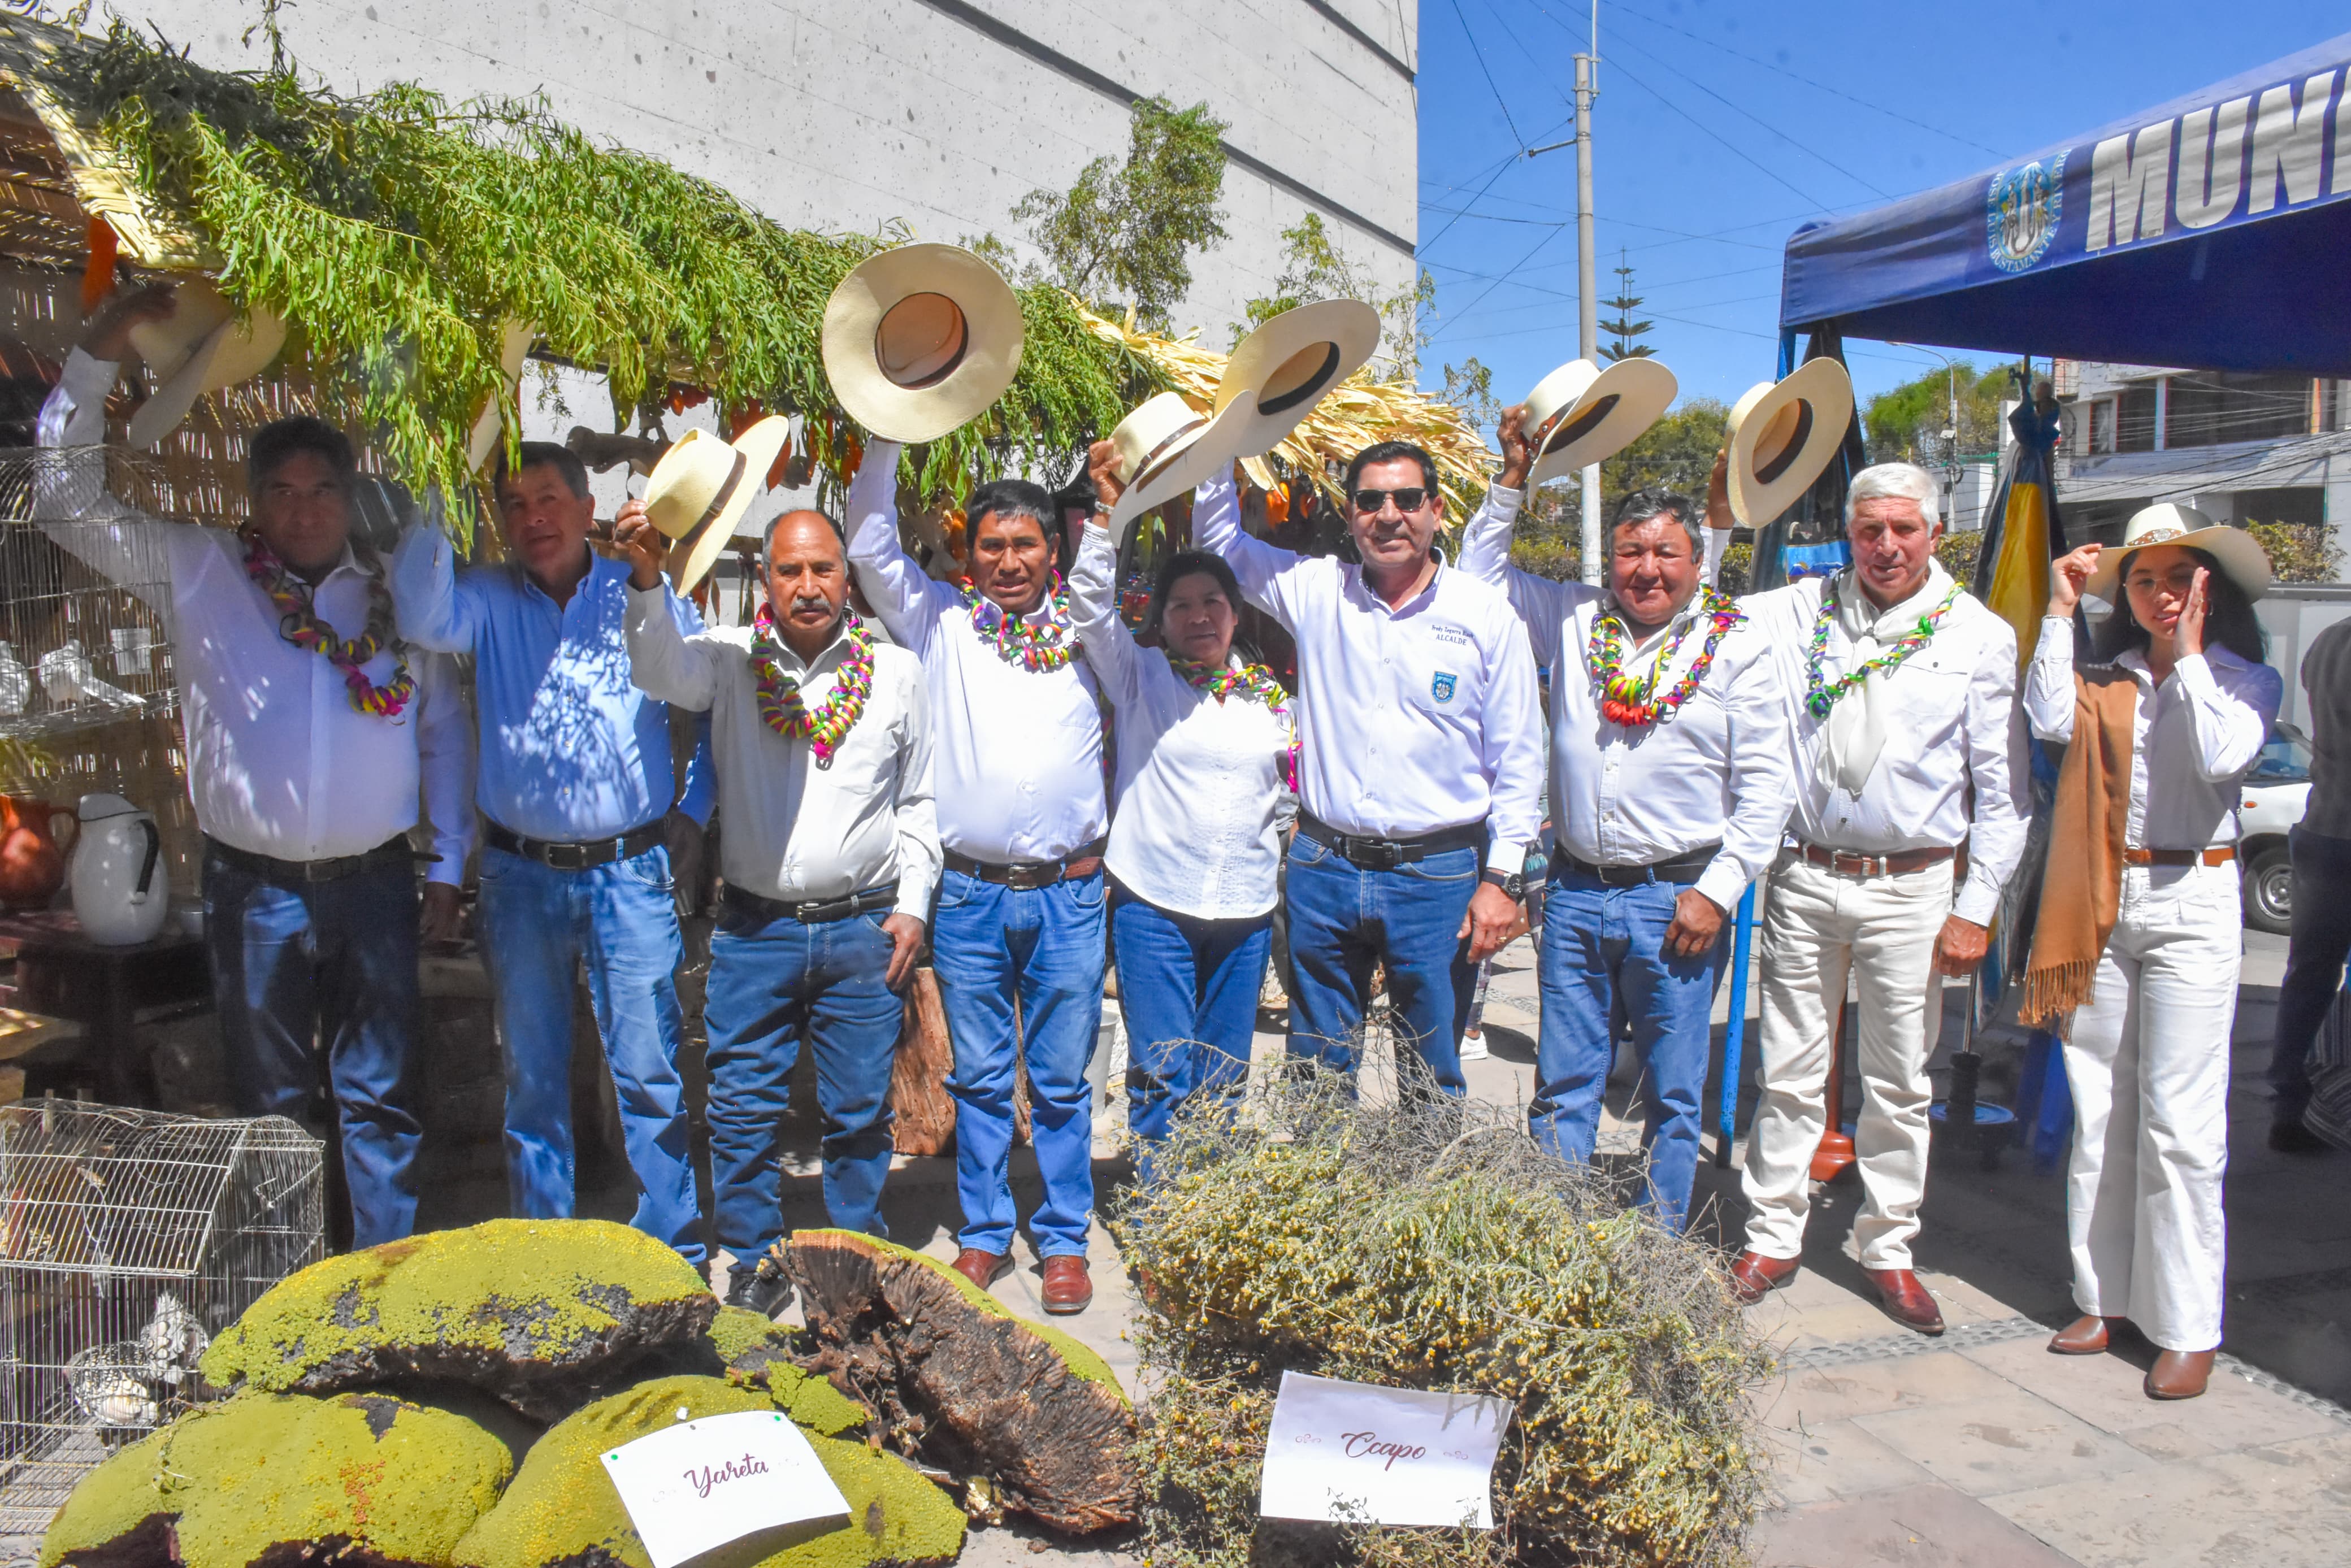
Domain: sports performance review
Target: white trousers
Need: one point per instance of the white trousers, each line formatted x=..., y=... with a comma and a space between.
x=1820, y=927
x=2149, y=1063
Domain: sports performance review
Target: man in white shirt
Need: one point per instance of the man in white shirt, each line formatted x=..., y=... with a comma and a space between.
x=1022, y=816
x=305, y=766
x=830, y=854
x=1671, y=786
x=1901, y=713
x=1421, y=764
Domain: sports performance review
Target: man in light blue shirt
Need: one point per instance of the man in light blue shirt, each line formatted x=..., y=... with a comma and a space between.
x=575, y=784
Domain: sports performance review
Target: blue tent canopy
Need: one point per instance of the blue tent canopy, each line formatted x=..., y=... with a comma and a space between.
x=2212, y=231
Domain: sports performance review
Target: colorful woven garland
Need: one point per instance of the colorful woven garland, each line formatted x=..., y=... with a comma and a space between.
x=1253, y=683
x=1820, y=695
x=783, y=709
x=1634, y=704
x=298, y=624
x=1036, y=641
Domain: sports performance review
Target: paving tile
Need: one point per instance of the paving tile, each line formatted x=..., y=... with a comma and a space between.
x=1917, y=1527
x=2004, y=1443
x=1809, y=1395
x=2106, y=1391
x=2285, y=1505
x=1817, y=1460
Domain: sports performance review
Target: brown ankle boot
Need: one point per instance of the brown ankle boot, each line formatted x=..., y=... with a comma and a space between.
x=2179, y=1374
x=2085, y=1335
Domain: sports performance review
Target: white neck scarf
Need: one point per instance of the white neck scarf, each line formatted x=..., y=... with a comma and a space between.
x=1850, y=739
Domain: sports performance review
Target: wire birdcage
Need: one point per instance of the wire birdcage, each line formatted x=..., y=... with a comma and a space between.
x=128, y=1239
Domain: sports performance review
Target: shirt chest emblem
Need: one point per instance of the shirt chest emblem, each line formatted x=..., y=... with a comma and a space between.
x=1441, y=685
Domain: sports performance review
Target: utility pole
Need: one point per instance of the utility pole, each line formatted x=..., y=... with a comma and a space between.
x=1587, y=288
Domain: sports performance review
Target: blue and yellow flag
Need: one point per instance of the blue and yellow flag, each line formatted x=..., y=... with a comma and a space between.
x=2012, y=570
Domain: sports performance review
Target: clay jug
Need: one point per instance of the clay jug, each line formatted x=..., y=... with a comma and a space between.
x=120, y=894
x=32, y=866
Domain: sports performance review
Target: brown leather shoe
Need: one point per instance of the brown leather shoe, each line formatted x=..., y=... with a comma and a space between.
x=2179, y=1374
x=982, y=1269
x=1067, y=1287
x=1906, y=1301
x=1754, y=1276
x=2085, y=1335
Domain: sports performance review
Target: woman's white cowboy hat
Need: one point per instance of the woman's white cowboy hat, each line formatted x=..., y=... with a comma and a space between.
x=1580, y=414
x=1167, y=447
x=515, y=340
x=1782, y=434
x=2239, y=553
x=1287, y=365
x=920, y=340
x=702, y=486
x=200, y=347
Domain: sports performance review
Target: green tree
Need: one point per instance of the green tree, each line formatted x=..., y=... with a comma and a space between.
x=1675, y=453
x=1621, y=326
x=1906, y=424
x=1469, y=387
x=1125, y=232
x=1314, y=267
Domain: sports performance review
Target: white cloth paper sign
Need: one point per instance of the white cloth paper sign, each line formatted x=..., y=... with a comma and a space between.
x=1355, y=1453
x=701, y=1484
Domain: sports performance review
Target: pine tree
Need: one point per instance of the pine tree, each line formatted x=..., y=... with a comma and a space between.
x=1621, y=326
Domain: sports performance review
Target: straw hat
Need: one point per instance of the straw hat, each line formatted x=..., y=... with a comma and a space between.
x=1288, y=364
x=1166, y=448
x=1782, y=434
x=514, y=345
x=920, y=340
x=200, y=347
x=2240, y=555
x=701, y=488
x=1579, y=415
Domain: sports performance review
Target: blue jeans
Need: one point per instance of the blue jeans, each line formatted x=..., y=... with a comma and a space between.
x=989, y=945
x=2313, y=963
x=1344, y=920
x=770, y=982
x=1189, y=989
x=538, y=927
x=336, y=962
x=1601, y=946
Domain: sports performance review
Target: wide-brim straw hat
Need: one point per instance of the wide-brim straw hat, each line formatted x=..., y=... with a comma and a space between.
x=920, y=340
x=701, y=488
x=515, y=340
x=1781, y=437
x=200, y=347
x=2240, y=554
x=1580, y=414
x=1166, y=448
x=1287, y=366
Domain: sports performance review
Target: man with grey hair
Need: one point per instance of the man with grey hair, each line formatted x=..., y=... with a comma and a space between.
x=1670, y=787
x=1900, y=710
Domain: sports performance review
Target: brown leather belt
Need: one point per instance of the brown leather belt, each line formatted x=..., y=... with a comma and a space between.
x=1852, y=863
x=2219, y=854
x=1027, y=876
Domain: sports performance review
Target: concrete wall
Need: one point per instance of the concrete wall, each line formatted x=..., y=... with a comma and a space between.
x=847, y=115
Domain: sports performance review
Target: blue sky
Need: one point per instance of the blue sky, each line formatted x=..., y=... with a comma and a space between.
x=1738, y=122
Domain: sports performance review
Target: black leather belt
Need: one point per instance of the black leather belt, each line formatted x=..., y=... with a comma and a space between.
x=864, y=900
x=574, y=857
x=268, y=868
x=1387, y=854
x=1027, y=876
x=1686, y=867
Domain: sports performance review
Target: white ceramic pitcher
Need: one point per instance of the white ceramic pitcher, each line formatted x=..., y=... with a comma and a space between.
x=120, y=894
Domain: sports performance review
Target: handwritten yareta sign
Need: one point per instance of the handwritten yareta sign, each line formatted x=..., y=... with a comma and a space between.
x=1355, y=1453
x=701, y=1484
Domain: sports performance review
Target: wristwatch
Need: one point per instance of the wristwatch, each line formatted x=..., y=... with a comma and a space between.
x=1513, y=884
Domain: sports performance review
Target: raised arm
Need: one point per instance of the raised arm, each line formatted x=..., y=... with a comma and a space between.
x=1264, y=572
x=137, y=553
x=1763, y=778
x=2049, y=696
x=664, y=662
x=1543, y=605
x=1109, y=647
x=435, y=610
x=444, y=755
x=906, y=597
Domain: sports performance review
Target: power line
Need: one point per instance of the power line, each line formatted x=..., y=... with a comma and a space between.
x=1497, y=91
x=1739, y=151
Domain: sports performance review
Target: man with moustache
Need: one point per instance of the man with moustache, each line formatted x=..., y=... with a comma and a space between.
x=576, y=785
x=823, y=750
x=1021, y=817
x=1670, y=787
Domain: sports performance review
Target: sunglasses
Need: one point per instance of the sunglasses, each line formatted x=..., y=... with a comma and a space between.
x=1406, y=501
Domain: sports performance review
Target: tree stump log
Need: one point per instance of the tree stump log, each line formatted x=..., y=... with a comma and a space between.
x=923, y=1112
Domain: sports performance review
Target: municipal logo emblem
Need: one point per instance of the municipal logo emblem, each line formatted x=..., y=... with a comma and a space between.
x=1440, y=686
x=2020, y=208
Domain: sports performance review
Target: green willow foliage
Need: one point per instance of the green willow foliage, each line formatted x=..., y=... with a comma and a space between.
x=398, y=233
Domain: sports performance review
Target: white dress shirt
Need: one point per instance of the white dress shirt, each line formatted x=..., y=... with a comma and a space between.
x=794, y=831
x=1415, y=718
x=1019, y=751
x=1951, y=727
x=1200, y=797
x=279, y=763
x=1715, y=770
x=2193, y=738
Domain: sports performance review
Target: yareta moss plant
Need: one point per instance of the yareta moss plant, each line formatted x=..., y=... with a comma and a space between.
x=1413, y=1244
x=526, y=1309
x=370, y=1479
x=758, y=1354
x=562, y=1508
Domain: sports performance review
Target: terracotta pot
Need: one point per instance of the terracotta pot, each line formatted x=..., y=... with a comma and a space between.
x=32, y=866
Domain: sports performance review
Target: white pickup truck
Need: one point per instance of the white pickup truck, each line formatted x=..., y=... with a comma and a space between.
x=2275, y=793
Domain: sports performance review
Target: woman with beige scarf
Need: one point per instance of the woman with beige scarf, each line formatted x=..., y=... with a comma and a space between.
x=2136, y=954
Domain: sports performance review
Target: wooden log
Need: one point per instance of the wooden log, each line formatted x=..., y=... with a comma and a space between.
x=923, y=1112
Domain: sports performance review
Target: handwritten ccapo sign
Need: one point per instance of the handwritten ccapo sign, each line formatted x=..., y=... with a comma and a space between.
x=1355, y=1453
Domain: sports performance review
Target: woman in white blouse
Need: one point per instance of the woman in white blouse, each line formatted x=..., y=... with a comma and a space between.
x=2139, y=932
x=1204, y=743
